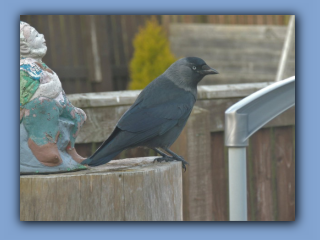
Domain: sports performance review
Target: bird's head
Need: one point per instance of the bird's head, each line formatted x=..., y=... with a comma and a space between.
x=188, y=72
x=196, y=68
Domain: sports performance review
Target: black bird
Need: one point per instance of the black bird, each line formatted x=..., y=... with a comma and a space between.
x=158, y=115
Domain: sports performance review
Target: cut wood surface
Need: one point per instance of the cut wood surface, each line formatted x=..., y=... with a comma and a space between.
x=126, y=190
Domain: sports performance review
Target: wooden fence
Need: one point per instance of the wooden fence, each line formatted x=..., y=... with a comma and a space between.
x=92, y=53
x=85, y=49
x=271, y=152
x=240, y=53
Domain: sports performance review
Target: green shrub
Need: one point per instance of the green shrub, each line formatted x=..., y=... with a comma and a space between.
x=152, y=55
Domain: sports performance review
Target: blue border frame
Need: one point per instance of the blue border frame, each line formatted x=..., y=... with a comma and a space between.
x=307, y=160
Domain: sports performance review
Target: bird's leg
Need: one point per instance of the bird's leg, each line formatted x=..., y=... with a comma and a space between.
x=161, y=153
x=178, y=158
x=164, y=157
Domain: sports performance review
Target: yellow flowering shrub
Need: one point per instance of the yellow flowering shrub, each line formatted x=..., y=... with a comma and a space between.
x=152, y=55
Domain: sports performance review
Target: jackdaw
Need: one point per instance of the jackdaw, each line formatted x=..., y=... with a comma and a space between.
x=158, y=115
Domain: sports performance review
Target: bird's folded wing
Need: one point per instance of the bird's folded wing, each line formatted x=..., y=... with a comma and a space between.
x=163, y=116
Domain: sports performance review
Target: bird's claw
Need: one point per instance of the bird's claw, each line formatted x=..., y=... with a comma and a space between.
x=184, y=166
x=170, y=159
x=165, y=158
x=184, y=163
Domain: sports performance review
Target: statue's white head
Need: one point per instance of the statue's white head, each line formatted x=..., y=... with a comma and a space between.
x=32, y=43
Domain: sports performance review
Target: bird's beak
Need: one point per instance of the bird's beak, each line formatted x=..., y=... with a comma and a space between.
x=208, y=70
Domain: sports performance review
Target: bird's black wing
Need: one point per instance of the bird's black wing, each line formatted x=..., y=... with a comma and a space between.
x=156, y=111
x=159, y=118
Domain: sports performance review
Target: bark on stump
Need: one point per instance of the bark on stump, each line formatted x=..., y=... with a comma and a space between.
x=125, y=190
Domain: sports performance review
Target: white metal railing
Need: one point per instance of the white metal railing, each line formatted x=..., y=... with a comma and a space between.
x=241, y=121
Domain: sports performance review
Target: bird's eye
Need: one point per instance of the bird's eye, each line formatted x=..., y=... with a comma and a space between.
x=194, y=67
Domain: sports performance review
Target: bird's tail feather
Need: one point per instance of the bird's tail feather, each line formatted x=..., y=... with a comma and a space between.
x=115, y=144
x=99, y=161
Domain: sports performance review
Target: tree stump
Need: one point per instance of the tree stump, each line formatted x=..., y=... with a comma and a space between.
x=133, y=189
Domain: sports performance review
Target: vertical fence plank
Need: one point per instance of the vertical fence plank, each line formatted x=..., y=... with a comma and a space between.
x=125, y=37
x=188, y=18
x=250, y=19
x=120, y=36
x=269, y=19
x=221, y=19
x=280, y=19
x=194, y=145
x=220, y=177
x=103, y=40
x=65, y=44
x=165, y=21
x=116, y=40
x=261, y=157
x=232, y=19
x=251, y=185
x=74, y=36
x=284, y=152
x=85, y=26
x=81, y=39
x=109, y=33
x=69, y=48
x=241, y=19
x=131, y=29
x=53, y=40
x=260, y=19
x=211, y=19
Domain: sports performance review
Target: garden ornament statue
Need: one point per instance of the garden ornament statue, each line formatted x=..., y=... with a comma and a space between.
x=49, y=123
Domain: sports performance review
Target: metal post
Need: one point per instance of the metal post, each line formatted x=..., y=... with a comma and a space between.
x=237, y=184
x=241, y=121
